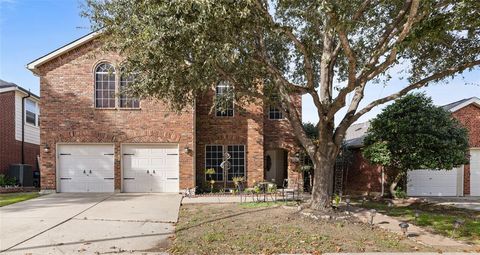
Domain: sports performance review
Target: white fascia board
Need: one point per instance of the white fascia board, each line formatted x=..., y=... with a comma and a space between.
x=474, y=100
x=32, y=66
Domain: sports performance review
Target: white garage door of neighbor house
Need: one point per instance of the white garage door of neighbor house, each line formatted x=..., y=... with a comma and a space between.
x=435, y=182
x=85, y=168
x=150, y=168
x=475, y=172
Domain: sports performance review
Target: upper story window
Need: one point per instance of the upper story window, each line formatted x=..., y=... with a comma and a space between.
x=223, y=100
x=125, y=100
x=274, y=113
x=105, y=86
x=31, y=112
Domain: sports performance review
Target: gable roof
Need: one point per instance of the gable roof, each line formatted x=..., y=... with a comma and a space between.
x=357, y=132
x=455, y=106
x=6, y=86
x=32, y=66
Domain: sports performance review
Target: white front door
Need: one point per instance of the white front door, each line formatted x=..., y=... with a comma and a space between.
x=85, y=168
x=435, y=182
x=150, y=168
x=475, y=172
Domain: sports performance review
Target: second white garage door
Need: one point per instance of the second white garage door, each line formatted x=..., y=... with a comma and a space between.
x=435, y=182
x=150, y=168
x=475, y=172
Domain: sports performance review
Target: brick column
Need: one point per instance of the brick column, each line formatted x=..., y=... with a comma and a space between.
x=255, y=144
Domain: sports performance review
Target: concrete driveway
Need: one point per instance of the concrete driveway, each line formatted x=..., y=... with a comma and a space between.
x=471, y=203
x=89, y=223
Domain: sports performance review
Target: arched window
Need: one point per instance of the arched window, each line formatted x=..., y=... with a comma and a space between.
x=105, y=86
x=125, y=100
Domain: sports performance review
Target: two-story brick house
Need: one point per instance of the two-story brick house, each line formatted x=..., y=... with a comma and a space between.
x=19, y=131
x=98, y=140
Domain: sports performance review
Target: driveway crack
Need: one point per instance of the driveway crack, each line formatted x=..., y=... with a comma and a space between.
x=58, y=224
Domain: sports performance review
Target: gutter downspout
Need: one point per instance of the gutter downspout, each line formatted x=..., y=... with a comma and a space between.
x=23, y=127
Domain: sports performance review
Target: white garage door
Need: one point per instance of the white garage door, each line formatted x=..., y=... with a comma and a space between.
x=150, y=168
x=475, y=172
x=85, y=168
x=435, y=182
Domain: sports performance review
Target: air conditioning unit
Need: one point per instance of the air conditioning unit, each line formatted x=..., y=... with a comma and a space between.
x=22, y=173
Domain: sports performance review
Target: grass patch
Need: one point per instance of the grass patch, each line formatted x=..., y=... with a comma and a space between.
x=435, y=218
x=266, y=204
x=253, y=228
x=12, y=198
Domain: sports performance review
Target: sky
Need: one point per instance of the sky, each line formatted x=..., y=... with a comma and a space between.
x=30, y=29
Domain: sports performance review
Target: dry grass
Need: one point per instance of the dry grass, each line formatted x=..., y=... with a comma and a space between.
x=268, y=228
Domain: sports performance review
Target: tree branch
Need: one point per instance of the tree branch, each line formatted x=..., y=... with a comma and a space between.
x=351, y=117
x=370, y=71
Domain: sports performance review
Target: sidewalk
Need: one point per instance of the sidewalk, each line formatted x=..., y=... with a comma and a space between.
x=414, y=232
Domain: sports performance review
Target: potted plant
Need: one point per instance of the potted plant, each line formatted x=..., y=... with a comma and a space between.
x=209, y=172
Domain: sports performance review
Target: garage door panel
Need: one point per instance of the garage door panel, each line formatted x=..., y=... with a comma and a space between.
x=433, y=182
x=475, y=172
x=86, y=168
x=151, y=165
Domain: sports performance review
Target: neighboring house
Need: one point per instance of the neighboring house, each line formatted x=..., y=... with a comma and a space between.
x=462, y=181
x=97, y=140
x=13, y=130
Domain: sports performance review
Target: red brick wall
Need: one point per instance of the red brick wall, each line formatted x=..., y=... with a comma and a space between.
x=279, y=135
x=249, y=126
x=244, y=128
x=362, y=177
x=69, y=115
x=469, y=116
x=11, y=149
x=366, y=178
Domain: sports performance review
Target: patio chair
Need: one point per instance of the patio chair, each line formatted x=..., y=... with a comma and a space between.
x=289, y=189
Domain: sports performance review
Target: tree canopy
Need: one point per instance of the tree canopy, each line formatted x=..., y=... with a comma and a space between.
x=329, y=50
x=412, y=133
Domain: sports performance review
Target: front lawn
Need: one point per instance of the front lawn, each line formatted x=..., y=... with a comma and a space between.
x=253, y=228
x=12, y=198
x=435, y=218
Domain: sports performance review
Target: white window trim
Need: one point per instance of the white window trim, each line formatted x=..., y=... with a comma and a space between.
x=244, y=160
x=205, y=162
x=118, y=98
x=225, y=149
x=118, y=79
x=95, y=86
x=223, y=84
x=37, y=113
x=269, y=109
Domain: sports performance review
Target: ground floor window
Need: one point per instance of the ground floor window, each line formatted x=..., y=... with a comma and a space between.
x=237, y=160
x=213, y=159
x=215, y=155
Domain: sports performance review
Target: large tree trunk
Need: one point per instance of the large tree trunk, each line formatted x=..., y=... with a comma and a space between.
x=322, y=183
x=324, y=165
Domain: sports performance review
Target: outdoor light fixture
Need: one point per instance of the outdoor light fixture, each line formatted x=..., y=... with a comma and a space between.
x=46, y=148
x=390, y=204
x=186, y=149
x=417, y=214
x=457, y=224
x=364, y=199
x=404, y=226
x=373, y=212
